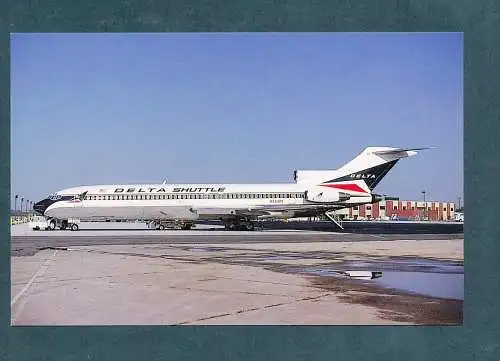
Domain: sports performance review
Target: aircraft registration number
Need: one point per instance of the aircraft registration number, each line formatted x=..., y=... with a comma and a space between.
x=276, y=200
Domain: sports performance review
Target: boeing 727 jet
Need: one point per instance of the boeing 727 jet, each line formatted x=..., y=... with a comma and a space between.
x=313, y=192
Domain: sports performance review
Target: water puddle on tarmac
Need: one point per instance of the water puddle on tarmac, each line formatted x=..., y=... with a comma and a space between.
x=424, y=277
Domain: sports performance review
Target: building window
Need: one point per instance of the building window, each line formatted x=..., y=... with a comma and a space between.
x=395, y=208
x=382, y=208
x=404, y=208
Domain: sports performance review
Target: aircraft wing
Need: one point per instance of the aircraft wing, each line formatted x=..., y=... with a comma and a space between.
x=269, y=210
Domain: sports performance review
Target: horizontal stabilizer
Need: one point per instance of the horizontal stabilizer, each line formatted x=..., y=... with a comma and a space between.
x=399, y=151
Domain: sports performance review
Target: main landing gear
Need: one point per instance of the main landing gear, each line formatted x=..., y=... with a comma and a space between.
x=239, y=225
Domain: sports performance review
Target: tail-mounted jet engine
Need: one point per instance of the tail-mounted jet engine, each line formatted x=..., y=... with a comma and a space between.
x=326, y=195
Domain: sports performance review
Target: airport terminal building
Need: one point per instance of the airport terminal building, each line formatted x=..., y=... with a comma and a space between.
x=409, y=210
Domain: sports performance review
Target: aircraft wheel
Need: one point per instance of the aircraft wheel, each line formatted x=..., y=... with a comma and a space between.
x=161, y=227
x=74, y=227
x=52, y=225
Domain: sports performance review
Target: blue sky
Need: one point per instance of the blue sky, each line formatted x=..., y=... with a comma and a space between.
x=233, y=108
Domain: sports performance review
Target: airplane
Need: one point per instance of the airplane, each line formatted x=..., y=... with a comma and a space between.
x=314, y=192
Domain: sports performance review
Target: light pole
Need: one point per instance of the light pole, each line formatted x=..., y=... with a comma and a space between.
x=15, y=203
x=459, y=198
x=425, y=205
x=22, y=200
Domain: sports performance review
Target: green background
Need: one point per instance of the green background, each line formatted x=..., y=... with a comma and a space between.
x=477, y=339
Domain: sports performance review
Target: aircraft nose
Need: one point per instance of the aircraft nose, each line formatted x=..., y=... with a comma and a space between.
x=40, y=207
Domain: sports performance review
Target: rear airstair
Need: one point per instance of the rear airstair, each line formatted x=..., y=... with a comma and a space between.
x=335, y=218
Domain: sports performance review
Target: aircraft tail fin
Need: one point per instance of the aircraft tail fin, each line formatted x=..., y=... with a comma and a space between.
x=369, y=166
x=372, y=164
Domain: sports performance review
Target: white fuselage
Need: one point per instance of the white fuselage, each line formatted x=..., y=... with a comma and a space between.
x=181, y=201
